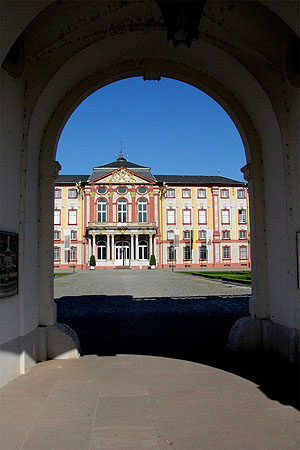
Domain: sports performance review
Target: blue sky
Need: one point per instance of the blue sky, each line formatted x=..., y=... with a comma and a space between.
x=168, y=125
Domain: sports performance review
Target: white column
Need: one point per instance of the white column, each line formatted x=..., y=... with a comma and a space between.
x=131, y=247
x=112, y=247
x=94, y=245
x=151, y=245
x=107, y=246
x=136, y=246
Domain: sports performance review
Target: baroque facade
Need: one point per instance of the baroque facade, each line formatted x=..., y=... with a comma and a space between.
x=122, y=214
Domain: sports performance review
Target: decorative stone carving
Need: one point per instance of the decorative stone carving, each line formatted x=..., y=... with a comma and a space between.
x=122, y=176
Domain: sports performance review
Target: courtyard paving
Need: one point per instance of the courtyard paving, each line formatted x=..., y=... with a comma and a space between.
x=148, y=378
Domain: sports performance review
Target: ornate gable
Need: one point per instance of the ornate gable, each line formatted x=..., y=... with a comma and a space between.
x=122, y=176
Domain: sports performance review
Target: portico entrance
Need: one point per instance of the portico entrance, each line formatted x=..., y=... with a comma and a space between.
x=122, y=253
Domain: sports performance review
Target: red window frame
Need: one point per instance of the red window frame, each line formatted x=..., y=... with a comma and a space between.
x=225, y=223
x=225, y=231
x=245, y=247
x=57, y=231
x=223, y=257
x=190, y=221
x=244, y=193
x=74, y=259
x=59, y=254
x=201, y=238
x=69, y=210
x=243, y=238
x=201, y=247
x=170, y=190
x=57, y=210
x=72, y=189
x=202, y=190
x=168, y=238
x=169, y=248
x=224, y=191
x=205, y=210
x=171, y=223
x=186, y=190
x=184, y=251
x=73, y=231
x=242, y=209
x=59, y=191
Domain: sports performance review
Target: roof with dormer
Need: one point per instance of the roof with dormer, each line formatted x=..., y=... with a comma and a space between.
x=100, y=171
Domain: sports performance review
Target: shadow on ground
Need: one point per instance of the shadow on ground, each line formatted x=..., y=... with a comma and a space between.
x=189, y=328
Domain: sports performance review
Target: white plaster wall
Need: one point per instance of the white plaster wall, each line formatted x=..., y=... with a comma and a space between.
x=11, y=145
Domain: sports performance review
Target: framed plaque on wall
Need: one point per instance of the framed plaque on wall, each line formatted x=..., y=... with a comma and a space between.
x=8, y=263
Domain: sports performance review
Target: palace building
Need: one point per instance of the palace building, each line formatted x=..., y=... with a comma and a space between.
x=122, y=214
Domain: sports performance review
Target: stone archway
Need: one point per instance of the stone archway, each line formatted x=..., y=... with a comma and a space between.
x=237, y=61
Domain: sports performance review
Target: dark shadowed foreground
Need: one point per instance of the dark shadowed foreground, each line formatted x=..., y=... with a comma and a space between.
x=187, y=328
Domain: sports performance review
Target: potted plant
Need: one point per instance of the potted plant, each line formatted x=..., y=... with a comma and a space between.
x=152, y=262
x=92, y=262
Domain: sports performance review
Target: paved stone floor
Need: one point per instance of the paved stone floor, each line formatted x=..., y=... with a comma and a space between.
x=199, y=397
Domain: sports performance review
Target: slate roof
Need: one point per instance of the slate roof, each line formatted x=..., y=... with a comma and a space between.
x=197, y=179
x=71, y=178
x=121, y=162
x=144, y=171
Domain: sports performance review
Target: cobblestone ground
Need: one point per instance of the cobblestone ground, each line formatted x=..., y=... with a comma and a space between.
x=173, y=315
x=149, y=312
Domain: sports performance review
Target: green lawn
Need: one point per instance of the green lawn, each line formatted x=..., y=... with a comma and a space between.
x=56, y=275
x=239, y=277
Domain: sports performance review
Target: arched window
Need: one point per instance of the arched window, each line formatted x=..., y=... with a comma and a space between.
x=101, y=210
x=143, y=250
x=122, y=210
x=142, y=210
x=101, y=250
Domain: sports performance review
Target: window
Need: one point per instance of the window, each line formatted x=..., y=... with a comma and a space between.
x=142, y=190
x=201, y=193
x=57, y=193
x=101, y=190
x=171, y=253
x=242, y=216
x=72, y=193
x=73, y=254
x=202, y=216
x=171, y=193
x=186, y=193
x=101, y=250
x=170, y=235
x=187, y=253
x=142, y=210
x=225, y=216
x=186, y=235
x=122, y=210
x=171, y=216
x=57, y=213
x=226, y=252
x=224, y=193
x=101, y=210
x=56, y=235
x=243, y=252
x=243, y=234
x=187, y=216
x=202, y=234
x=122, y=190
x=72, y=216
x=56, y=253
x=73, y=235
x=241, y=193
x=143, y=250
x=203, y=252
x=226, y=234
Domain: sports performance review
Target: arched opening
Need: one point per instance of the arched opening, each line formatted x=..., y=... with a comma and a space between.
x=239, y=77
